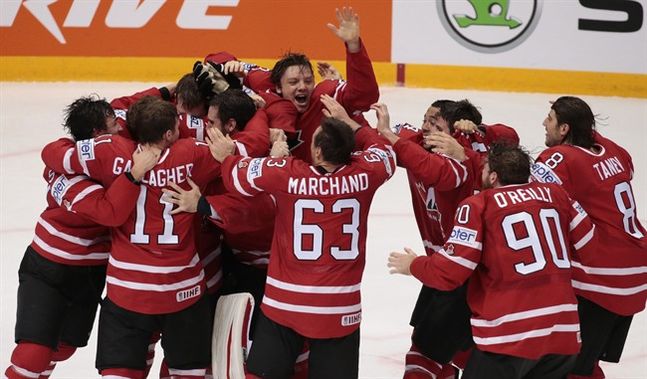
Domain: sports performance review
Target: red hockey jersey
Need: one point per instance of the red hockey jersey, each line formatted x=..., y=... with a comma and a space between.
x=437, y=184
x=153, y=266
x=510, y=242
x=615, y=277
x=356, y=95
x=247, y=225
x=73, y=230
x=318, y=250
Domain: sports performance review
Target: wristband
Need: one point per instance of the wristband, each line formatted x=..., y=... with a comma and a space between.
x=130, y=177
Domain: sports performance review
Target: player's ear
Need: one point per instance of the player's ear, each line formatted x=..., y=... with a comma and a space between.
x=564, y=129
x=230, y=126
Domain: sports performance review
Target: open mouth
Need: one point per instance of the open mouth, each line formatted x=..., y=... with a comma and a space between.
x=301, y=100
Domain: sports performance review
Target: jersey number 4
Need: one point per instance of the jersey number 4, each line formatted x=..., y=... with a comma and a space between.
x=317, y=234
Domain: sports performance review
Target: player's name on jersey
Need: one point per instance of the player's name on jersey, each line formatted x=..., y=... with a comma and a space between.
x=520, y=195
x=609, y=167
x=328, y=185
x=156, y=177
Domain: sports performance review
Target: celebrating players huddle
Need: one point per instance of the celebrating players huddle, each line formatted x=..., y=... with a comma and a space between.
x=232, y=208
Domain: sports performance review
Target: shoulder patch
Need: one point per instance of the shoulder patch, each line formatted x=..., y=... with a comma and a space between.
x=120, y=113
x=255, y=169
x=85, y=149
x=542, y=173
x=464, y=236
x=396, y=129
x=195, y=122
x=58, y=188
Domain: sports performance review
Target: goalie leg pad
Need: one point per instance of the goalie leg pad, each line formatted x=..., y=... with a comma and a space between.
x=231, y=341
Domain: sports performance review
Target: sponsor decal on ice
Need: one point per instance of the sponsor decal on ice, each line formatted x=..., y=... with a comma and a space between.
x=352, y=319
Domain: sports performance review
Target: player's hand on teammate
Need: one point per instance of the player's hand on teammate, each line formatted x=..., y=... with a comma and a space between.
x=221, y=146
x=257, y=99
x=280, y=149
x=186, y=200
x=333, y=109
x=145, y=157
x=465, y=126
x=234, y=67
x=443, y=143
x=348, y=29
x=277, y=135
x=328, y=71
x=400, y=263
x=383, y=118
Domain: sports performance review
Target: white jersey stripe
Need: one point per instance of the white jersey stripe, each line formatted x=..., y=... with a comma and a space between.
x=569, y=328
x=524, y=315
x=621, y=271
x=239, y=188
x=258, y=253
x=242, y=150
x=312, y=289
x=216, y=278
x=67, y=165
x=99, y=256
x=85, y=192
x=584, y=240
x=152, y=269
x=458, y=260
x=155, y=287
x=323, y=310
x=69, y=238
x=576, y=221
x=430, y=245
x=608, y=290
x=211, y=256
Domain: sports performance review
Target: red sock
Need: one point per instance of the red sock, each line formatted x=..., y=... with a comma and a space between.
x=460, y=358
x=164, y=372
x=28, y=360
x=418, y=366
x=63, y=352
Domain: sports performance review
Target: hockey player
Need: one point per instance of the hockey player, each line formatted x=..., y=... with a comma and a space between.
x=513, y=239
x=155, y=279
x=312, y=290
x=63, y=271
x=611, y=284
x=291, y=81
